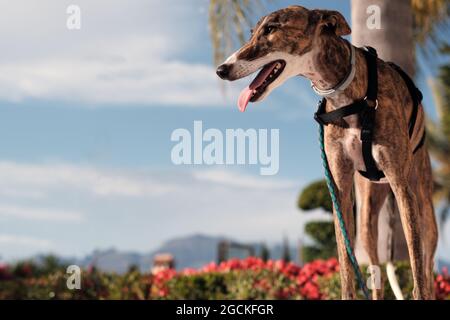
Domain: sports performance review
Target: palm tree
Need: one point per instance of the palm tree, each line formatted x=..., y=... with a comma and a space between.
x=404, y=23
x=228, y=21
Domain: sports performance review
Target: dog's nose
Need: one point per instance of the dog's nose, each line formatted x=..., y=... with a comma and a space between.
x=223, y=71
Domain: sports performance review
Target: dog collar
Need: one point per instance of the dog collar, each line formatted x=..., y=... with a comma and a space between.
x=344, y=83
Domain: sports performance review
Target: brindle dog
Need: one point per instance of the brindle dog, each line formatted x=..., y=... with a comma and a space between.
x=297, y=41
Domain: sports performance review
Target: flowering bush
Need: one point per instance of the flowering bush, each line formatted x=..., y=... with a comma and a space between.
x=442, y=285
x=94, y=285
x=250, y=278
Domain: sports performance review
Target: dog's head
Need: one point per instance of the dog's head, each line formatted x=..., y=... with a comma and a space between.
x=279, y=45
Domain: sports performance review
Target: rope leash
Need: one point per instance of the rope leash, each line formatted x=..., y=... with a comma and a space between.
x=337, y=207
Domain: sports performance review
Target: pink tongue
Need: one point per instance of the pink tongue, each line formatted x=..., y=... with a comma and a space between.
x=246, y=94
x=244, y=98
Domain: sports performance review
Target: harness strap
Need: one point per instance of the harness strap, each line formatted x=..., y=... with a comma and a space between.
x=415, y=93
x=372, y=73
x=367, y=117
x=421, y=142
x=367, y=127
x=366, y=109
x=326, y=118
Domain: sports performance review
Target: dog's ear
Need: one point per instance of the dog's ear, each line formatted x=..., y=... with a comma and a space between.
x=333, y=20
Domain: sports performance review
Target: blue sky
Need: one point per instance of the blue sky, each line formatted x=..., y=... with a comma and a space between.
x=86, y=118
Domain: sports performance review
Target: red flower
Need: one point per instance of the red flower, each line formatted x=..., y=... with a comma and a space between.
x=442, y=285
x=5, y=273
x=303, y=280
x=211, y=267
x=311, y=291
x=189, y=272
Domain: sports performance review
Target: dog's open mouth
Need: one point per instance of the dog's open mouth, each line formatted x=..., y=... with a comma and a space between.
x=265, y=77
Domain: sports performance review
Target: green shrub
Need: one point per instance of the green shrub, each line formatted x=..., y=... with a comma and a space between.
x=199, y=287
x=261, y=285
x=237, y=284
x=250, y=278
x=94, y=285
x=324, y=247
x=315, y=196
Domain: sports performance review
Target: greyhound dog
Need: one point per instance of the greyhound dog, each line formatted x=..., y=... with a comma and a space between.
x=297, y=41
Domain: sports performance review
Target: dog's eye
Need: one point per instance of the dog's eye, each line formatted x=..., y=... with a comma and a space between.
x=268, y=30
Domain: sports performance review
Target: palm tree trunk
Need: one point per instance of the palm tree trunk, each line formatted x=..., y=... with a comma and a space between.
x=394, y=42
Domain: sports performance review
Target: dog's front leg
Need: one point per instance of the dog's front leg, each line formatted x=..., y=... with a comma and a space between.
x=343, y=171
x=372, y=196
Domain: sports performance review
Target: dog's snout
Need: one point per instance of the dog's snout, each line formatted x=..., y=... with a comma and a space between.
x=223, y=71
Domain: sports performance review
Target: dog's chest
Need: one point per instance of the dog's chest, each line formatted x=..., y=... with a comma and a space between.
x=352, y=147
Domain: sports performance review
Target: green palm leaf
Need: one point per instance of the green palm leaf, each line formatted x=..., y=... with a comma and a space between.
x=228, y=22
x=430, y=23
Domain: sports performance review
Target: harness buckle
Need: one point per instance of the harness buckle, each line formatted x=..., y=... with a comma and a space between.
x=367, y=102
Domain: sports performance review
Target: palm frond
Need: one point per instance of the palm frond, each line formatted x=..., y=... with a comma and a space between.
x=228, y=22
x=430, y=23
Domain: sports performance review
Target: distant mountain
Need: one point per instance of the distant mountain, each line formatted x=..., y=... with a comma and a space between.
x=191, y=251
x=111, y=260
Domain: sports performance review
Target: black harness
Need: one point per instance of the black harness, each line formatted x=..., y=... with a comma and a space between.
x=366, y=110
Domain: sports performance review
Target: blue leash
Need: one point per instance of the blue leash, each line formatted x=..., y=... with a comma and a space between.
x=337, y=207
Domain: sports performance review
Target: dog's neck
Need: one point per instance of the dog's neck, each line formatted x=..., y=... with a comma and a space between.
x=330, y=64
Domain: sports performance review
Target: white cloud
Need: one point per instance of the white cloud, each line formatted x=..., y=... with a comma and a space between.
x=38, y=181
x=32, y=178
x=155, y=81
x=10, y=240
x=138, y=209
x=234, y=179
x=121, y=55
x=9, y=192
x=39, y=214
